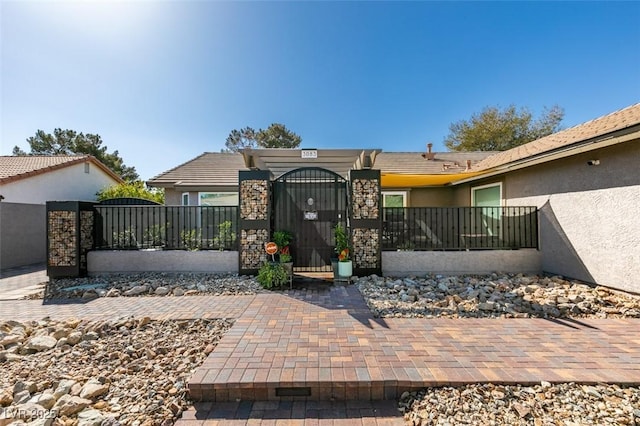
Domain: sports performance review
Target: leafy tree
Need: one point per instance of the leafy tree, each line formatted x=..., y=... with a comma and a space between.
x=278, y=136
x=494, y=129
x=133, y=189
x=69, y=142
x=240, y=139
x=275, y=136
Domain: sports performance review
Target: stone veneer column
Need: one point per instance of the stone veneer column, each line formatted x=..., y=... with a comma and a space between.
x=70, y=226
x=255, y=219
x=366, y=221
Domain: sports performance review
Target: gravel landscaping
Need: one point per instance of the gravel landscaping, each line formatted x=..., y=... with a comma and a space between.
x=544, y=404
x=151, y=284
x=133, y=372
x=126, y=371
x=494, y=296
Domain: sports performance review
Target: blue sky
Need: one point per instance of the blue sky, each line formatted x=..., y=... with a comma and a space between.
x=162, y=82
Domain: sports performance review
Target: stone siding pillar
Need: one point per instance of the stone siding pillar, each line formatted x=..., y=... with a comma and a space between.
x=255, y=219
x=366, y=221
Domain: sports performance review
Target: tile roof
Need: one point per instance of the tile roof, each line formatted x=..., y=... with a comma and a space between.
x=19, y=167
x=415, y=163
x=221, y=169
x=609, y=123
x=208, y=169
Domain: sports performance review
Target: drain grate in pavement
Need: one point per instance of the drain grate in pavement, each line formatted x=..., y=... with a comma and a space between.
x=293, y=391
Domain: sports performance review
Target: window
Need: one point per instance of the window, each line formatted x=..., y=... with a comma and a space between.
x=489, y=197
x=394, y=199
x=86, y=168
x=185, y=198
x=218, y=198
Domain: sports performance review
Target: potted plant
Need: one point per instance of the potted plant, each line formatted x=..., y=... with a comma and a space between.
x=345, y=265
x=283, y=240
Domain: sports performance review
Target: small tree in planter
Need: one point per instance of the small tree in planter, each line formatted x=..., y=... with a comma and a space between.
x=345, y=265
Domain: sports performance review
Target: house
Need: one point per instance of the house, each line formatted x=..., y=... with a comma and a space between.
x=26, y=184
x=586, y=182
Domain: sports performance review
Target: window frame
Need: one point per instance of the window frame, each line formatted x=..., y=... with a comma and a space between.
x=219, y=192
x=405, y=197
x=480, y=187
x=187, y=198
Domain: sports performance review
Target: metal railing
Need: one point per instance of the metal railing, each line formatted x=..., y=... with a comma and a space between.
x=168, y=227
x=459, y=228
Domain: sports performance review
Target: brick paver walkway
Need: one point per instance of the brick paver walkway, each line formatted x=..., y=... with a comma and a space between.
x=322, y=342
x=16, y=283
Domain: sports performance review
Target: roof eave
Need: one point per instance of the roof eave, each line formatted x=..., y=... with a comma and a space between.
x=598, y=142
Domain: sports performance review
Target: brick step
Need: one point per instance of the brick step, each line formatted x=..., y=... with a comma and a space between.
x=301, y=391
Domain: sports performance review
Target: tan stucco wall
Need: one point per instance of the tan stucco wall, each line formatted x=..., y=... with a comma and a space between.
x=173, y=197
x=431, y=197
x=589, y=215
x=67, y=184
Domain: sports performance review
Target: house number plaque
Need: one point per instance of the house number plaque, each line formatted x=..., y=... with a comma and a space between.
x=311, y=215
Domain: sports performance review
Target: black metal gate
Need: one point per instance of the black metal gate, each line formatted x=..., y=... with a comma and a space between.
x=309, y=202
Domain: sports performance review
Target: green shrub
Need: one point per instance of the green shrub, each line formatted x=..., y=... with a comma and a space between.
x=226, y=236
x=272, y=274
x=191, y=239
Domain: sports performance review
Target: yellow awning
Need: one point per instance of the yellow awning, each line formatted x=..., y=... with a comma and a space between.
x=397, y=180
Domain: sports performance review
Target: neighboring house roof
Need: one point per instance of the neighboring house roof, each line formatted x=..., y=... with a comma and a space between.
x=566, y=139
x=417, y=163
x=13, y=168
x=209, y=169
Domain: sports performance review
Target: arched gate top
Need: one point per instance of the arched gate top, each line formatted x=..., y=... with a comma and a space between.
x=316, y=173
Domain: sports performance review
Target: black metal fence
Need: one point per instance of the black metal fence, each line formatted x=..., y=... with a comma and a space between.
x=132, y=227
x=459, y=228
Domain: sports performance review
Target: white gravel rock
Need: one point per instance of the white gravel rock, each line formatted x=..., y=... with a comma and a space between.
x=40, y=343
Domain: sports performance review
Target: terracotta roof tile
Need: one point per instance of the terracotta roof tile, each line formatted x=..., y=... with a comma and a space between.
x=19, y=167
x=415, y=163
x=208, y=169
x=615, y=121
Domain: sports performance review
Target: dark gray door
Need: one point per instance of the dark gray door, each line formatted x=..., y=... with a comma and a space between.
x=309, y=202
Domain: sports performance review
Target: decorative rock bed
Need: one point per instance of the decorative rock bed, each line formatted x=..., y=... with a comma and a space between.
x=544, y=404
x=152, y=284
x=126, y=371
x=510, y=296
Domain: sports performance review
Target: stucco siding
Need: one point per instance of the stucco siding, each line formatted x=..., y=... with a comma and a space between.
x=66, y=184
x=589, y=214
x=431, y=197
x=172, y=197
x=404, y=263
x=106, y=262
x=22, y=234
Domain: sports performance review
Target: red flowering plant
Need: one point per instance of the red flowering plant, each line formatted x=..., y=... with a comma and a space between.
x=285, y=255
x=282, y=240
x=344, y=255
x=342, y=243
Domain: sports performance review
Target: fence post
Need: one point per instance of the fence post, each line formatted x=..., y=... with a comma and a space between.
x=366, y=221
x=255, y=219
